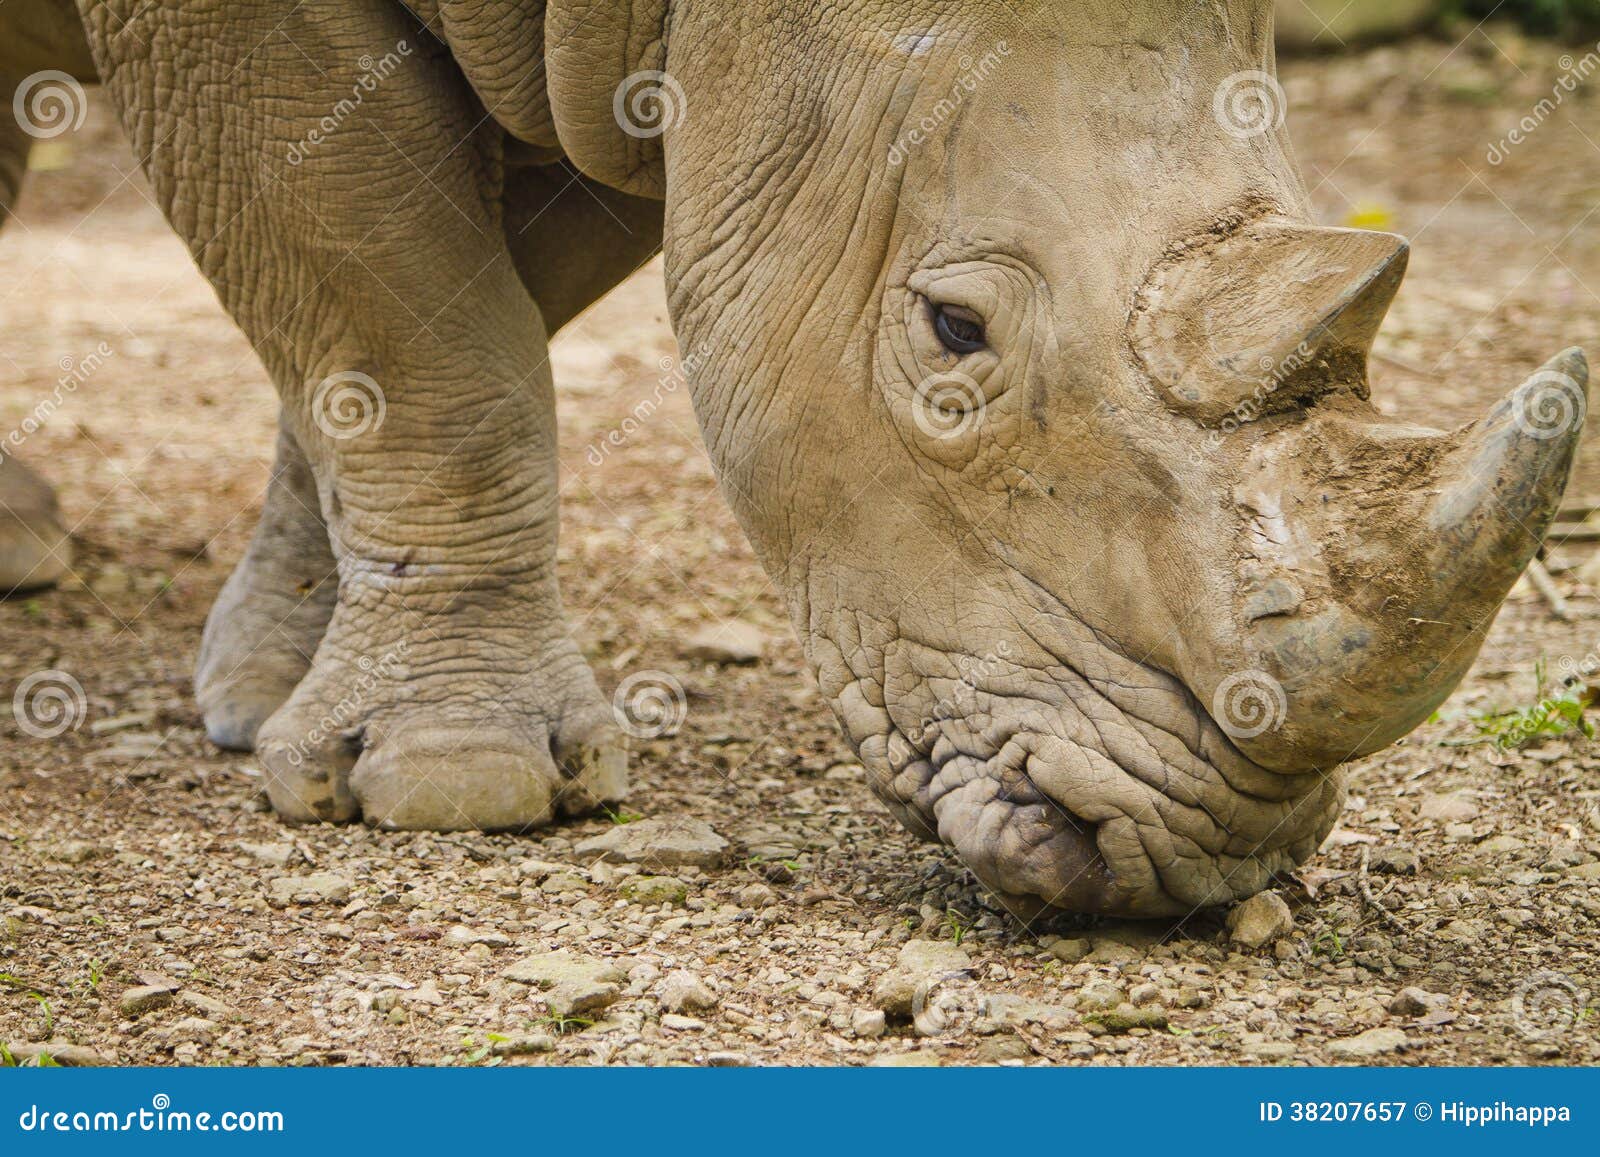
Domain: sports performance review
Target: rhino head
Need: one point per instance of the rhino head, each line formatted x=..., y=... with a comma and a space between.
x=1045, y=404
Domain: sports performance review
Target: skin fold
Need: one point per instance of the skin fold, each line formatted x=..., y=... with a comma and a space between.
x=1102, y=598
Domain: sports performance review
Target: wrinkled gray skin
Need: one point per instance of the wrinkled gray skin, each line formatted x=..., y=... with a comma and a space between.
x=1106, y=617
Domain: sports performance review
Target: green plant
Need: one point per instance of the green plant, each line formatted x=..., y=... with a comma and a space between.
x=562, y=1025
x=621, y=817
x=957, y=924
x=1555, y=714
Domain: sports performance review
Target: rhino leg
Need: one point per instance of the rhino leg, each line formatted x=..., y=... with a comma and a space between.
x=571, y=241
x=34, y=548
x=370, y=269
x=269, y=618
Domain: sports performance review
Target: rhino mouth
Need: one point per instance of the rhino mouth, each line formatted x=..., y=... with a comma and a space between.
x=1091, y=783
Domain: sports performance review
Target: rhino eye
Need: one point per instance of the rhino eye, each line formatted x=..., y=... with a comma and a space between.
x=959, y=329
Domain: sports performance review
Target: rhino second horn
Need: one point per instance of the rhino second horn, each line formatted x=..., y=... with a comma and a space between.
x=1267, y=317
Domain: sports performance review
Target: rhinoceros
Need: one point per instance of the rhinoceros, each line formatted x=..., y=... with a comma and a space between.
x=1040, y=395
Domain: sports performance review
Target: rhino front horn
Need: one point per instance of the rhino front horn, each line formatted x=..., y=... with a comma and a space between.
x=1401, y=545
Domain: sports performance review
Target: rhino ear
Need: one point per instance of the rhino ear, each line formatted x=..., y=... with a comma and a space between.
x=609, y=90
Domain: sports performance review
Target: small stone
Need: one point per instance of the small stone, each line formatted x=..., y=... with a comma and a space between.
x=731, y=642
x=571, y=983
x=921, y=1059
x=1070, y=950
x=208, y=1006
x=63, y=1053
x=651, y=890
x=1260, y=920
x=1501, y=846
x=524, y=1045
x=275, y=855
x=77, y=852
x=1372, y=1043
x=996, y=1049
x=193, y=1030
x=1270, y=1050
x=1100, y=996
x=727, y=1060
x=317, y=888
x=1125, y=1017
x=1394, y=861
x=135, y=1002
x=920, y=963
x=756, y=896
x=1456, y=807
x=682, y=991
x=1414, y=1002
x=869, y=1023
x=663, y=842
x=678, y=1023
x=1143, y=994
x=1588, y=873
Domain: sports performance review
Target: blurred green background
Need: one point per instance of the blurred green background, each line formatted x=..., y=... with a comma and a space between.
x=1331, y=23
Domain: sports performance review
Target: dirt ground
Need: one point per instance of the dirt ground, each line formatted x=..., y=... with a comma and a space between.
x=152, y=910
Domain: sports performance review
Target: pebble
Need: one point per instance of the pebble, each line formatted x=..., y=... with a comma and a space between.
x=681, y=991
x=1260, y=920
x=920, y=962
x=1100, y=996
x=678, y=1023
x=1070, y=950
x=1372, y=1043
x=571, y=983
x=730, y=642
x=727, y=1060
x=135, y=1002
x=1394, y=861
x=317, y=888
x=276, y=855
x=1455, y=807
x=666, y=843
x=1415, y=1002
x=63, y=1053
x=524, y=1045
x=652, y=890
x=869, y=1023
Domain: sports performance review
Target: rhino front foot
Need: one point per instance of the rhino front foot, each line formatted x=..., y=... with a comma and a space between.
x=272, y=612
x=367, y=735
